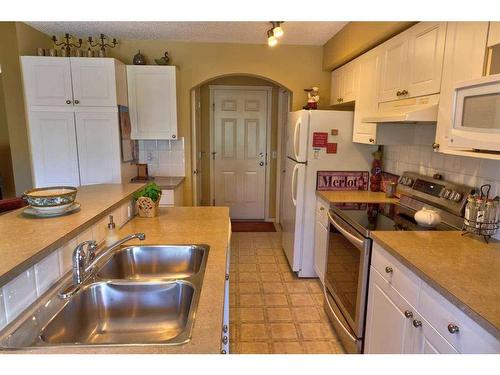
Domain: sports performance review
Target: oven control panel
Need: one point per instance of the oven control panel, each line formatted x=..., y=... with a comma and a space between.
x=447, y=195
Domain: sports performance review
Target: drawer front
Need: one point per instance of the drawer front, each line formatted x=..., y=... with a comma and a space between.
x=322, y=212
x=167, y=198
x=440, y=313
x=398, y=276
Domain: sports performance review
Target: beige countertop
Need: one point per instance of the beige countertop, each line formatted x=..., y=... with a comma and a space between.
x=25, y=240
x=182, y=225
x=464, y=269
x=355, y=197
x=165, y=182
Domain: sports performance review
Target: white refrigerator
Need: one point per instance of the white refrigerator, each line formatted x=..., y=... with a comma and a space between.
x=299, y=182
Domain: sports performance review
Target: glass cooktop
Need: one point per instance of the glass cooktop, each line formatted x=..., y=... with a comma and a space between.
x=366, y=217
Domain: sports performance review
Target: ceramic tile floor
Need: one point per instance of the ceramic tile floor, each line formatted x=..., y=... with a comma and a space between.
x=272, y=310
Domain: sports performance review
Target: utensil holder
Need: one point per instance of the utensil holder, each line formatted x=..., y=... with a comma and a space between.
x=146, y=207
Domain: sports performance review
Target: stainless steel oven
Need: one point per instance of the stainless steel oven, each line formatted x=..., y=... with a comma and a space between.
x=346, y=281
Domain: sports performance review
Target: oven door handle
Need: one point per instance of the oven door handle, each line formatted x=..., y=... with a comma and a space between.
x=355, y=240
x=353, y=338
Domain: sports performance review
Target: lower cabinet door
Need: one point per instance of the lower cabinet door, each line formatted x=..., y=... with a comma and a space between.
x=98, y=139
x=320, y=250
x=388, y=319
x=427, y=340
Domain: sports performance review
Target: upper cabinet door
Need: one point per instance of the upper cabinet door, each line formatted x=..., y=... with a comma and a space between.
x=47, y=80
x=350, y=82
x=494, y=34
x=393, y=71
x=152, y=101
x=53, y=148
x=94, y=81
x=98, y=147
x=425, y=59
x=336, y=87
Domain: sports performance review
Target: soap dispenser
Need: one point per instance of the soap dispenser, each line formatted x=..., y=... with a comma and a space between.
x=112, y=233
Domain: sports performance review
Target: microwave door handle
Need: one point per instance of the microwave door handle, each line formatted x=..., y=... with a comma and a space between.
x=353, y=338
x=358, y=242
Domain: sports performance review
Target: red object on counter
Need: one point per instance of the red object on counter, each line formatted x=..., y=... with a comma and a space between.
x=11, y=204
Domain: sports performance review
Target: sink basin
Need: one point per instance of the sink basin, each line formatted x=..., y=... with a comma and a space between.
x=153, y=262
x=116, y=312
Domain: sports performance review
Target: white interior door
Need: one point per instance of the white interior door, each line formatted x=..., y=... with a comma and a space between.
x=240, y=132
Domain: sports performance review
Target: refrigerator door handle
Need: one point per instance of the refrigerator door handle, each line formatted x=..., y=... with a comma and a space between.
x=296, y=139
x=294, y=183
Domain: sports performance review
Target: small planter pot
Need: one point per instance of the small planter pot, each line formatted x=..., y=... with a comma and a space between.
x=146, y=207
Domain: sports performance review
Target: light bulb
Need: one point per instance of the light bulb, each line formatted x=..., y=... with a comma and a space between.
x=278, y=32
x=272, y=41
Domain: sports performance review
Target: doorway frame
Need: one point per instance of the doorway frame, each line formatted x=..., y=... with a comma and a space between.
x=269, y=90
x=284, y=101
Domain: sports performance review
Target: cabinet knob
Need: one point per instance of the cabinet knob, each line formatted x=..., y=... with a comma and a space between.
x=408, y=314
x=371, y=140
x=223, y=351
x=68, y=101
x=174, y=136
x=404, y=92
x=322, y=208
x=338, y=100
x=388, y=269
x=435, y=146
x=398, y=93
x=225, y=340
x=224, y=328
x=452, y=328
x=417, y=323
x=227, y=276
x=77, y=101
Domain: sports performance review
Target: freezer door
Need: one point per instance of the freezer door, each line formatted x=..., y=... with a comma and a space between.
x=297, y=135
x=293, y=212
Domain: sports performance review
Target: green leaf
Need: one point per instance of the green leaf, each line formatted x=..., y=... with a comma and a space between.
x=151, y=190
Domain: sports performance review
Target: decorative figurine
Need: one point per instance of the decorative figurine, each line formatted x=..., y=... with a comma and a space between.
x=163, y=60
x=312, y=98
x=139, y=59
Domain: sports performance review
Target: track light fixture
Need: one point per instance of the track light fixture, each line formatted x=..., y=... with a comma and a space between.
x=274, y=33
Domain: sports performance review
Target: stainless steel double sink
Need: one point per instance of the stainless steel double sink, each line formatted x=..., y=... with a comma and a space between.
x=139, y=295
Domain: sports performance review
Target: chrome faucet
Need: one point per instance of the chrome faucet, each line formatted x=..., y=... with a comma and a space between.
x=85, y=261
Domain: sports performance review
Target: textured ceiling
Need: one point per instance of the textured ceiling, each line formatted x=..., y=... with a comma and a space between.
x=309, y=33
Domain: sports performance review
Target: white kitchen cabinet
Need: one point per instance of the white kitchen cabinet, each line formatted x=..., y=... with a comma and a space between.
x=493, y=34
x=345, y=83
x=366, y=102
x=395, y=294
x=53, y=148
x=321, y=238
x=73, y=81
x=152, y=97
x=389, y=316
x=463, y=60
x=98, y=147
x=47, y=80
x=412, y=62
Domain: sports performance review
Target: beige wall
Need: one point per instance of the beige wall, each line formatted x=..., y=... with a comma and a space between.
x=356, y=38
x=18, y=39
x=205, y=132
x=293, y=67
x=8, y=190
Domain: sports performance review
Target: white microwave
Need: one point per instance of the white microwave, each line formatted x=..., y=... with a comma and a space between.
x=476, y=114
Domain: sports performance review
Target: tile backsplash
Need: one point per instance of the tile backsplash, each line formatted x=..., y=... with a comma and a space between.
x=422, y=159
x=164, y=157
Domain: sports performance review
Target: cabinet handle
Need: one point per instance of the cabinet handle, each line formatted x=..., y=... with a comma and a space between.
x=68, y=101
x=388, y=269
x=417, y=323
x=174, y=136
x=371, y=140
x=227, y=276
x=224, y=328
x=404, y=92
x=408, y=314
x=223, y=351
x=77, y=101
x=398, y=93
x=453, y=328
x=225, y=340
x=435, y=146
x=338, y=100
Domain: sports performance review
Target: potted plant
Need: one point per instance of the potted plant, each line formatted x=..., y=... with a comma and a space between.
x=148, y=200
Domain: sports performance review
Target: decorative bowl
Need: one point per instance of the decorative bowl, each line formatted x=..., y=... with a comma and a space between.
x=55, y=196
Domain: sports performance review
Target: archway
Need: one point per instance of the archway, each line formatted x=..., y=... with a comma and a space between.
x=202, y=142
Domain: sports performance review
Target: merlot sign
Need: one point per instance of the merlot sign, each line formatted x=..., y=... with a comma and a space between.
x=336, y=181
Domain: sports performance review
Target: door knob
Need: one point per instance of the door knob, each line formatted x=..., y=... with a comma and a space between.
x=261, y=163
